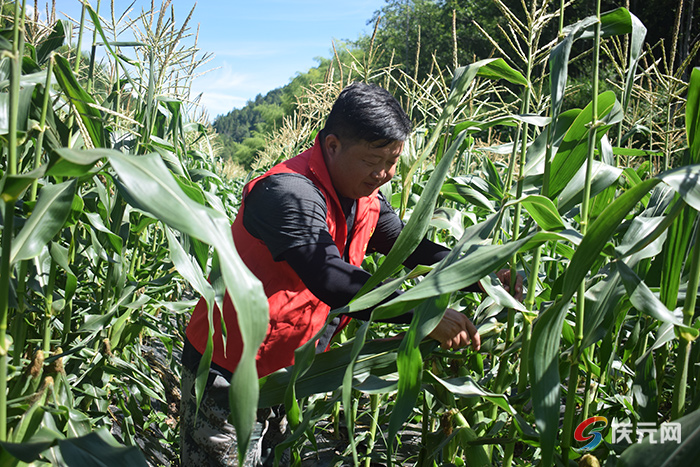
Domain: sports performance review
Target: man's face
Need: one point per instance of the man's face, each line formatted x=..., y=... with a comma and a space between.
x=359, y=168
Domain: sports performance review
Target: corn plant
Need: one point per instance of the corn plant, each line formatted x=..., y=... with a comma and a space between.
x=100, y=164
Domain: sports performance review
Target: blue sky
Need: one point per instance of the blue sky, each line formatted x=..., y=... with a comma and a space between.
x=257, y=45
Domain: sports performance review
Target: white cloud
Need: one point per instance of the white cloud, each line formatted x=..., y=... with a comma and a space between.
x=220, y=104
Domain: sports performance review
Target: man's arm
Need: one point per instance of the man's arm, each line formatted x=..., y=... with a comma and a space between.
x=332, y=280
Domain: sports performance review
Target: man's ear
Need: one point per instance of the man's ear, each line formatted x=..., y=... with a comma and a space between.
x=332, y=144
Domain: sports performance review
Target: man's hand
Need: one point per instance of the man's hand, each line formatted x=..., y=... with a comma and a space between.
x=504, y=276
x=455, y=331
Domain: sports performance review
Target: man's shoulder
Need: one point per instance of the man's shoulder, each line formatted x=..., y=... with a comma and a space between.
x=288, y=182
x=282, y=189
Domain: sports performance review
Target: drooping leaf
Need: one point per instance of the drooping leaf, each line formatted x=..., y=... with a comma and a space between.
x=30, y=450
x=13, y=186
x=645, y=301
x=49, y=216
x=467, y=387
x=543, y=211
x=603, y=176
x=147, y=184
x=615, y=22
x=598, y=234
x=91, y=117
x=55, y=39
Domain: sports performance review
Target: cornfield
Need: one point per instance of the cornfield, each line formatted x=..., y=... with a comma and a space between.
x=116, y=219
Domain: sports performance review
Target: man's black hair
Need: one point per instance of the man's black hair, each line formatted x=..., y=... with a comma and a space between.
x=367, y=112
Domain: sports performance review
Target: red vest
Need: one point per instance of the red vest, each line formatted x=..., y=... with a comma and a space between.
x=296, y=315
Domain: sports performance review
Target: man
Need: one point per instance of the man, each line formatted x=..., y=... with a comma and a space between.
x=303, y=229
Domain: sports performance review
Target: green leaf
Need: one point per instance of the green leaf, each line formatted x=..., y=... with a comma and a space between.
x=49, y=215
x=602, y=299
x=499, y=69
x=544, y=372
x=81, y=100
x=376, y=357
x=147, y=184
x=598, y=234
x=114, y=240
x=73, y=163
x=418, y=224
x=603, y=176
x=13, y=186
x=494, y=289
x=621, y=21
x=645, y=388
x=543, y=211
x=573, y=150
x=467, y=387
x=465, y=195
x=633, y=152
x=478, y=262
x=692, y=116
x=461, y=80
x=473, y=126
x=645, y=236
x=24, y=103
x=614, y=22
x=99, y=449
x=686, y=182
x=645, y=301
x=543, y=358
x=537, y=150
x=55, y=40
x=188, y=268
x=410, y=362
x=31, y=449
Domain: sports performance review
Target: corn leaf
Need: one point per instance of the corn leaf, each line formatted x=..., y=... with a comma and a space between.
x=599, y=233
x=542, y=211
x=147, y=184
x=81, y=100
x=692, y=116
x=615, y=22
x=418, y=224
x=603, y=176
x=410, y=363
x=49, y=215
x=543, y=358
x=56, y=39
x=463, y=77
x=645, y=301
x=573, y=150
